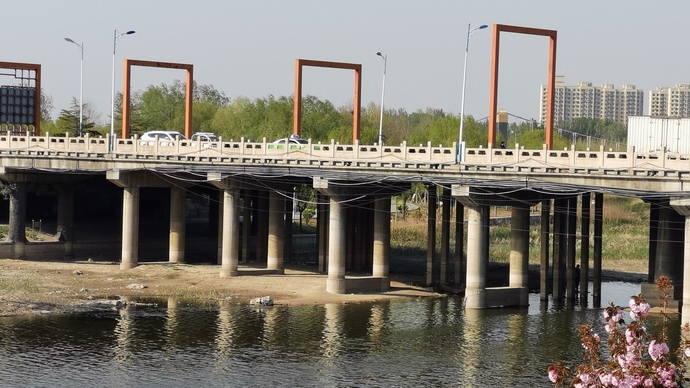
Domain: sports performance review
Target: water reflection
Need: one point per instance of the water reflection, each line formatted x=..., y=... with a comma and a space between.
x=425, y=342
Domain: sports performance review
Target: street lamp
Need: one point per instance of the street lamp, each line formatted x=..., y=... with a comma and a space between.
x=116, y=37
x=81, y=84
x=383, y=93
x=461, y=144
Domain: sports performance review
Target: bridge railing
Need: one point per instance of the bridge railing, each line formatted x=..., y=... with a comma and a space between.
x=358, y=154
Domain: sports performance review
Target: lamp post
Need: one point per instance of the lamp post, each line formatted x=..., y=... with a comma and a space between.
x=383, y=93
x=461, y=144
x=81, y=85
x=116, y=37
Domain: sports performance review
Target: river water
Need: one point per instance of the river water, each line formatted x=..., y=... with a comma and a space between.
x=413, y=343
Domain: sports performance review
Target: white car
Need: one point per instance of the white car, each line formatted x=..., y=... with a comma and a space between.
x=165, y=138
x=204, y=136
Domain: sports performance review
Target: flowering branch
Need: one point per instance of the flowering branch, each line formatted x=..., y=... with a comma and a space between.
x=637, y=359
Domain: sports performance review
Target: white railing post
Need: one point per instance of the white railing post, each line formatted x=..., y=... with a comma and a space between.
x=602, y=156
x=429, y=151
x=333, y=148
x=572, y=154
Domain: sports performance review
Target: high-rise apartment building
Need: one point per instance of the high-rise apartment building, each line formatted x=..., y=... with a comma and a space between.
x=594, y=102
x=674, y=102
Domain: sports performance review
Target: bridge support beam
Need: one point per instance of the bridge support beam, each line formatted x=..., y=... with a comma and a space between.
x=431, y=237
x=382, y=241
x=459, y=264
x=477, y=260
x=445, y=234
x=276, y=231
x=65, y=220
x=378, y=247
x=519, y=252
x=336, y=283
x=246, y=224
x=17, y=219
x=682, y=206
x=178, y=200
x=544, y=267
x=231, y=221
x=130, y=227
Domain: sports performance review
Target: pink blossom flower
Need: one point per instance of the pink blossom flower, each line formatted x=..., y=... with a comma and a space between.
x=553, y=376
x=686, y=351
x=657, y=349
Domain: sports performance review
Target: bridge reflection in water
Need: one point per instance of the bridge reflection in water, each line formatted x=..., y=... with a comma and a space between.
x=426, y=342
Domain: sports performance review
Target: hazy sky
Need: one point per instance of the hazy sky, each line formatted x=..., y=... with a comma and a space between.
x=248, y=48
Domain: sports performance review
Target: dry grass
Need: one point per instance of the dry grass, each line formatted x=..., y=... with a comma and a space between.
x=625, y=240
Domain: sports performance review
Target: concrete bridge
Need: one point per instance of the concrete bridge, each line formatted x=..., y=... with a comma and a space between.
x=355, y=184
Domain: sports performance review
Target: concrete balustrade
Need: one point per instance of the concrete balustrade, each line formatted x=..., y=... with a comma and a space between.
x=353, y=155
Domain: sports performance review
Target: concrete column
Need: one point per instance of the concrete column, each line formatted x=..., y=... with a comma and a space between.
x=519, y=252
x=382, y=241
x=320, y=232
x=477, y=239
x=130, y=227
x=231, y=238
x=584, y=247
x=544, y=267
x=219, y=255
x=246, y=224
x=445, y=234
x=653, y=233
x=288, y=219
x=65, y=220
x=685, y=310
x=460, y=272
x=178, y=204
x=335, y=283
x=557, y=287
x=596, y=259
x=276, y=231
x=572, y=234
x=17, y=227
x=262, y=227
x=431, y=236
x=669, y=245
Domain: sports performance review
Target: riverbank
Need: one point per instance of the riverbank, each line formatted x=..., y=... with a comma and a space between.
x=28, y=287
x=32, y=287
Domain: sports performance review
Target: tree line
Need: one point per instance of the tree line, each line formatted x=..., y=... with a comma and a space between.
x=162, y=107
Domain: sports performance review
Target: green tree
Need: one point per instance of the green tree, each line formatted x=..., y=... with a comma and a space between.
x=68, y=121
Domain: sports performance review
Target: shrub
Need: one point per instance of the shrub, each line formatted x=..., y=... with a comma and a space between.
x=637, y=358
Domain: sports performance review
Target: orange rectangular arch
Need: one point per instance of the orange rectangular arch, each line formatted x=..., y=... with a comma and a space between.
x=297, y=113
x=166, y=65
x=493, y=92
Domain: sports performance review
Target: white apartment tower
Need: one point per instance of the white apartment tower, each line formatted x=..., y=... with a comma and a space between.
x=584, y=100
x=674, y=102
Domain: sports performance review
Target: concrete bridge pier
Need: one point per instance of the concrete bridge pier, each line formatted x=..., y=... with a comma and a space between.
x=247, y=200
x=431, y=237
x=276, y=232
x=519, y=252
x=65, y=219
x=130, y=227
x=544, y=267
x=382, y=241
x=17, y=219
x=336, y=283
x=178, y=201
x=682, y=206
x=231, y=221
x=459, y=258
x=669, y=251
x=338, y=231
x=477, y=259
x=559, y=228
x=445, y=235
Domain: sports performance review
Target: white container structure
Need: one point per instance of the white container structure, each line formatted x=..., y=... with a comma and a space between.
x=671, y=134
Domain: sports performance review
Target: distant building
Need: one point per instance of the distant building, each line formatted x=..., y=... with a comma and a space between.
x=673, y=102
x=594, y=102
